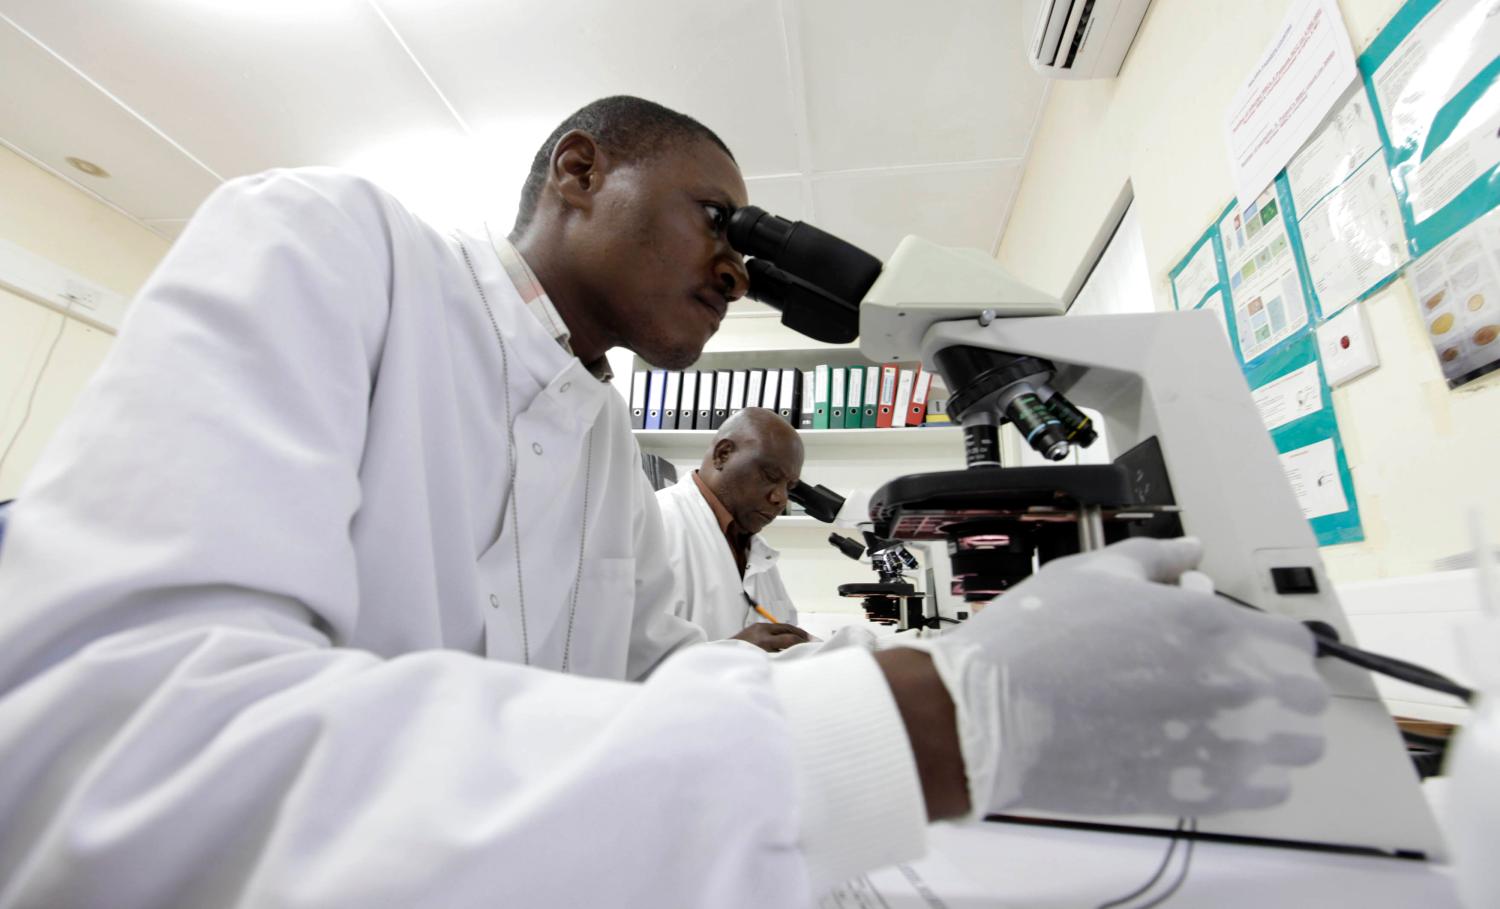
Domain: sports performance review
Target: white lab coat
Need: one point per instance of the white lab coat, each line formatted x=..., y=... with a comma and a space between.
x=710, y=591
x=260, y=612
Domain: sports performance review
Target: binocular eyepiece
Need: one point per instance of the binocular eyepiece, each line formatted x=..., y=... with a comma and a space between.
x=815, y=279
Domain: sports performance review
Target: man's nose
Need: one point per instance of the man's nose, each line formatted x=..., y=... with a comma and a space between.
x=733, y=279
x=779, y=495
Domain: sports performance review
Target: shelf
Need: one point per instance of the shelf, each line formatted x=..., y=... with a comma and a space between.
x=801, y=523
x=801, y=358
x=907, y=442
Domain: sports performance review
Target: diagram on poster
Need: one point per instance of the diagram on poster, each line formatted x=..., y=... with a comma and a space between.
x=1314, y=474
x=1343, y=142
x=1264, y=284
x=1291, y=397
x=1457, y=287
x=1347, y=215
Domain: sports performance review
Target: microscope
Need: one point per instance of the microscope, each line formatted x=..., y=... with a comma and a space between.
x=1194, y=458
x=892, y=599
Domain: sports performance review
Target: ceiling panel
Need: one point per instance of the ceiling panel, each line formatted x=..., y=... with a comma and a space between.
x=920, y=113
x=958, y=206
x=891, y=82
x=520, y=68
x=244, y=85
x=58, y=115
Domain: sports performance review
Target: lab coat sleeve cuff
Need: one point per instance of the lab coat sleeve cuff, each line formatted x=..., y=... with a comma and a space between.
x=861, y=801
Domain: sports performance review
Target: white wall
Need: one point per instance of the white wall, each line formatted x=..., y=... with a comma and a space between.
x=1121, y=280
x=1420, y=454
x=46, y=216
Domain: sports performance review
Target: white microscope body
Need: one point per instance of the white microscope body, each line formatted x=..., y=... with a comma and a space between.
x=1172, y=377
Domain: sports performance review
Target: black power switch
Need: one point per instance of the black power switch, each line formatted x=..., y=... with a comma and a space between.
x=1294, y=580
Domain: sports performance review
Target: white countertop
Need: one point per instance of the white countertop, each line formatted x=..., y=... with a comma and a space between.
x=1014, y=865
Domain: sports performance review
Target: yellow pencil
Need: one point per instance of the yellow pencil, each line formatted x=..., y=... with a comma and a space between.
x=762, y=610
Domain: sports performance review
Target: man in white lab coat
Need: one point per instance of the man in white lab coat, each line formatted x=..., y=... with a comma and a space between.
x=713, y=519
x=278, y=597
x=331, y=589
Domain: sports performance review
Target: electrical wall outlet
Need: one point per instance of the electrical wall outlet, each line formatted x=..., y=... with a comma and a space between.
x=1347, y=346
x=43, y=281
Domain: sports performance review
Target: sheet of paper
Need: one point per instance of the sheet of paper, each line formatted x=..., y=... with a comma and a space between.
x=1314, y=474
x=1346, y=140
x=1353, y=238
x=1198, y=276
x=1457, y=287
x=1263, y=281
x=934, y=882
x=1298, y=79
x=1289, y=398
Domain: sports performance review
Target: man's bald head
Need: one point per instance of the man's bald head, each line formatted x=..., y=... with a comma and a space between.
x=755, y=459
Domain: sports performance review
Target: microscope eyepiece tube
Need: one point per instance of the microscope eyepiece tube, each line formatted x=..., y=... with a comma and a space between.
x=836, y=267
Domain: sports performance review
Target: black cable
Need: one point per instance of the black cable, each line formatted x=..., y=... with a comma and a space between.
x=1187, y=860
x=1396, y=669
x=1237, y=601
x=1160, y=869
x=1330, y=645
x=938, y=620
x=35, y=386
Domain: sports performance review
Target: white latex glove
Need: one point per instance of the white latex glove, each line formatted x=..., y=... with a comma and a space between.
x=1097, y=686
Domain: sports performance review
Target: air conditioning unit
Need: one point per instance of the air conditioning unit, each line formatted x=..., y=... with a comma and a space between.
x=1080, y=39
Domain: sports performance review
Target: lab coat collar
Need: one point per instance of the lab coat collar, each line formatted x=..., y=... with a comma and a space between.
x=537, y=301
x=760, y=557
x=564, y=380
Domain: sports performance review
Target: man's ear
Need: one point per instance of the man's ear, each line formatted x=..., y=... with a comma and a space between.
x=578, y=166
x=722, y=450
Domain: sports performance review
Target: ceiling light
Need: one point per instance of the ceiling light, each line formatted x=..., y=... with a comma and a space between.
x=88, y=167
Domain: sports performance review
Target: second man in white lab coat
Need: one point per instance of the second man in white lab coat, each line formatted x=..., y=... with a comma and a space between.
x=713, y=519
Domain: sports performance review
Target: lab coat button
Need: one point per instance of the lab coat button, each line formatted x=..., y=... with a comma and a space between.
x=565, y=386
x=494, y=601
x=536, y=447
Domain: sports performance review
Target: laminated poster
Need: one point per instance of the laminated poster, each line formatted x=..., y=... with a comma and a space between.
x=1457, y=287
x=1434, y=72
x=1348, y=219
x=1290, y=391
x=1265, y=284
x=1292, y=395
x=1198, y=274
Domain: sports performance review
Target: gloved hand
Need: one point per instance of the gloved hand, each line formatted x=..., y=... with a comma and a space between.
x=1098, y=686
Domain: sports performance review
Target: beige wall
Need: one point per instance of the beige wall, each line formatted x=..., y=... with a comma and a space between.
x=1420, y=454
x=46, y=216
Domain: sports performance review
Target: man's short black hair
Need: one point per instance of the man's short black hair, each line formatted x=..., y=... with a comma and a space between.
x=631, y=129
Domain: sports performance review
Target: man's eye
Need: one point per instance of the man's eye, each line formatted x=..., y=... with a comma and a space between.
x=718, y=216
